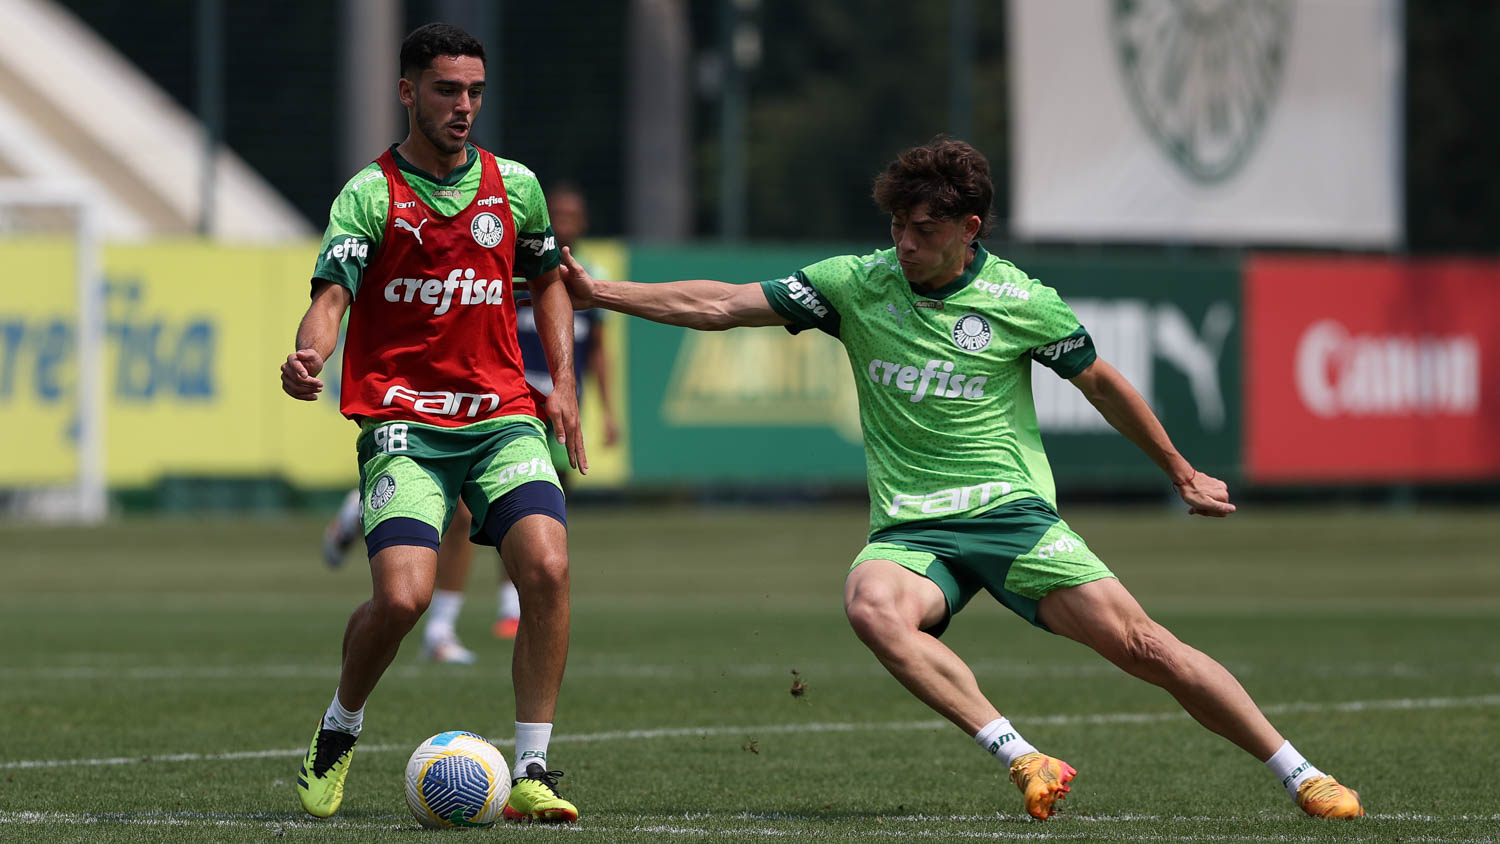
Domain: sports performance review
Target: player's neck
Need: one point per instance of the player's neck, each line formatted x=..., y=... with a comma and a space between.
x=429, y=159
x=952, y=273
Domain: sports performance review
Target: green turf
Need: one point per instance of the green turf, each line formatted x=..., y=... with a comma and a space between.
x=160, y=679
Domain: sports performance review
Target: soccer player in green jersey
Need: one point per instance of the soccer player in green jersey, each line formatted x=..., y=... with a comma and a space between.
x=941, y=336
x=421, y=249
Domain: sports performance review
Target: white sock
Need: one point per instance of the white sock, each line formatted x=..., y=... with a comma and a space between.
x=1291, y=768
x=531, y=746
x=1002, y=741
x=341, y=719
x=442, y=615
x=510, y=601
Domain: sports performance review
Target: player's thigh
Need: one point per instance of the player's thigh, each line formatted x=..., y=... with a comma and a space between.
x=516, y=482
x=402, y=577
x=910, y=578
x=1101, y=614
x=1024, y=552
x=535, y=551
x=892, y=588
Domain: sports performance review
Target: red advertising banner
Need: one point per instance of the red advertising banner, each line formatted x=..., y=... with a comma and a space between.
x=1371, y=369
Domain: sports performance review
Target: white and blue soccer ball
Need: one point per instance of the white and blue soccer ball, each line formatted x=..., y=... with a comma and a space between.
x=457, y=779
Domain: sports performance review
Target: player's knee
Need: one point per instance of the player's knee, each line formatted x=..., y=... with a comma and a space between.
x=873, y=613
x=400, y=611
x=543, y=573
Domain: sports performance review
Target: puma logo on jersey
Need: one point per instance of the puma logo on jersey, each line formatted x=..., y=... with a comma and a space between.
x=416, y=230
x=439, y=292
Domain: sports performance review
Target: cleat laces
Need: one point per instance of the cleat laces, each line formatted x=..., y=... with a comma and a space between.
x=541, y=775
x=333, y=745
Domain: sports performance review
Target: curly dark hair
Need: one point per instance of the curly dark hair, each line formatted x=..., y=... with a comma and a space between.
x=429, y=41
x=952, y=177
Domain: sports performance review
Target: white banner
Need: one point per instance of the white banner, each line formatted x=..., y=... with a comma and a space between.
x=1227, y=121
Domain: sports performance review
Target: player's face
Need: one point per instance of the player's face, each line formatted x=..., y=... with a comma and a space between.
x=932, y=251
x=569, y=217
x=445, y=100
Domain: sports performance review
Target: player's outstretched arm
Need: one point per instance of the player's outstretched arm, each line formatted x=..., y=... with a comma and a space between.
x=702, y=304
x=1120, y=405
x=317, y=336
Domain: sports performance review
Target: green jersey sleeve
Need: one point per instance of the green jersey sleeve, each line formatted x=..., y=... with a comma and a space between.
x=811, y=297
x=356, y=223
x=1050, y=328
x=536, y=245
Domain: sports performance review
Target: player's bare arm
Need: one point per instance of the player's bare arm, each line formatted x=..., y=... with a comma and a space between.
x=700, y=303
x=317, y=336
x=554, y=323
x=1120, y=405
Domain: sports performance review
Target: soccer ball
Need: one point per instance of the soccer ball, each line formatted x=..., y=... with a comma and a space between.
x=457, y=779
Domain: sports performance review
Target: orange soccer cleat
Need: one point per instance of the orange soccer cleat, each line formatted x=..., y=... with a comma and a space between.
x=1323, y=797
x=1043, y=781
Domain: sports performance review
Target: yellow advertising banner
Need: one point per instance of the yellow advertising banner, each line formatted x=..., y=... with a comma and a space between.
x=194, y=337
x=38, y=373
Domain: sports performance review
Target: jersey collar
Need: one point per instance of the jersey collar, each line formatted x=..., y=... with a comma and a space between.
x=976, y=263
x=452, y=179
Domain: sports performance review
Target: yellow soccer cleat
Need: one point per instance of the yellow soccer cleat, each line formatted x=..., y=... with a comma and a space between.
x=320, y=783
x=1323, y=797
x=534, y=797
x=1043, y=781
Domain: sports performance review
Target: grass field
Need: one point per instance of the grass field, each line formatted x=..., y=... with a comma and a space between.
x=160, y=679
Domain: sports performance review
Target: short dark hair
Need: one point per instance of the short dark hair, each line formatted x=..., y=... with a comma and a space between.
x=952, y=177
x=429, y=41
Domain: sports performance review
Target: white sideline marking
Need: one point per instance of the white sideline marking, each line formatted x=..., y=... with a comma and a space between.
x=775, y=729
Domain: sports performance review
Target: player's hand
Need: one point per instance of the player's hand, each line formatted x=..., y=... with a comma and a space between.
x=299, y=375
x=580, y=284
x=562, y=409
x=1206, y=495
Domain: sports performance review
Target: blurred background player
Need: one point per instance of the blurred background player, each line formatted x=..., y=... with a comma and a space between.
x=568, y=210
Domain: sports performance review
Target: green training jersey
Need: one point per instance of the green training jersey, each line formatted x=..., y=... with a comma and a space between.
x=943, y=377
x=356, y=223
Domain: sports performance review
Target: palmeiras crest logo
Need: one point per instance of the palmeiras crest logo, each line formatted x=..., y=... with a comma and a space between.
x=972, y=332
x=487, y=229
x=382, y=492
x=1203, y=75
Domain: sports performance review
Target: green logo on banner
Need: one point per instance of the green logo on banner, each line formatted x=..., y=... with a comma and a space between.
x=1203, y=75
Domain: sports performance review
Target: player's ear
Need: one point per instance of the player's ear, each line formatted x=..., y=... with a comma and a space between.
x=406, y=91
x=971, y=226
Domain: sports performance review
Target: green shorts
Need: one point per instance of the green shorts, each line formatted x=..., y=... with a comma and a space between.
x=416, y=471
x=1019, y=552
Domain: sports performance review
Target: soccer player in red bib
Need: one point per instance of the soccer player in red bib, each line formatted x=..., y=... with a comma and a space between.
x=421, y=249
